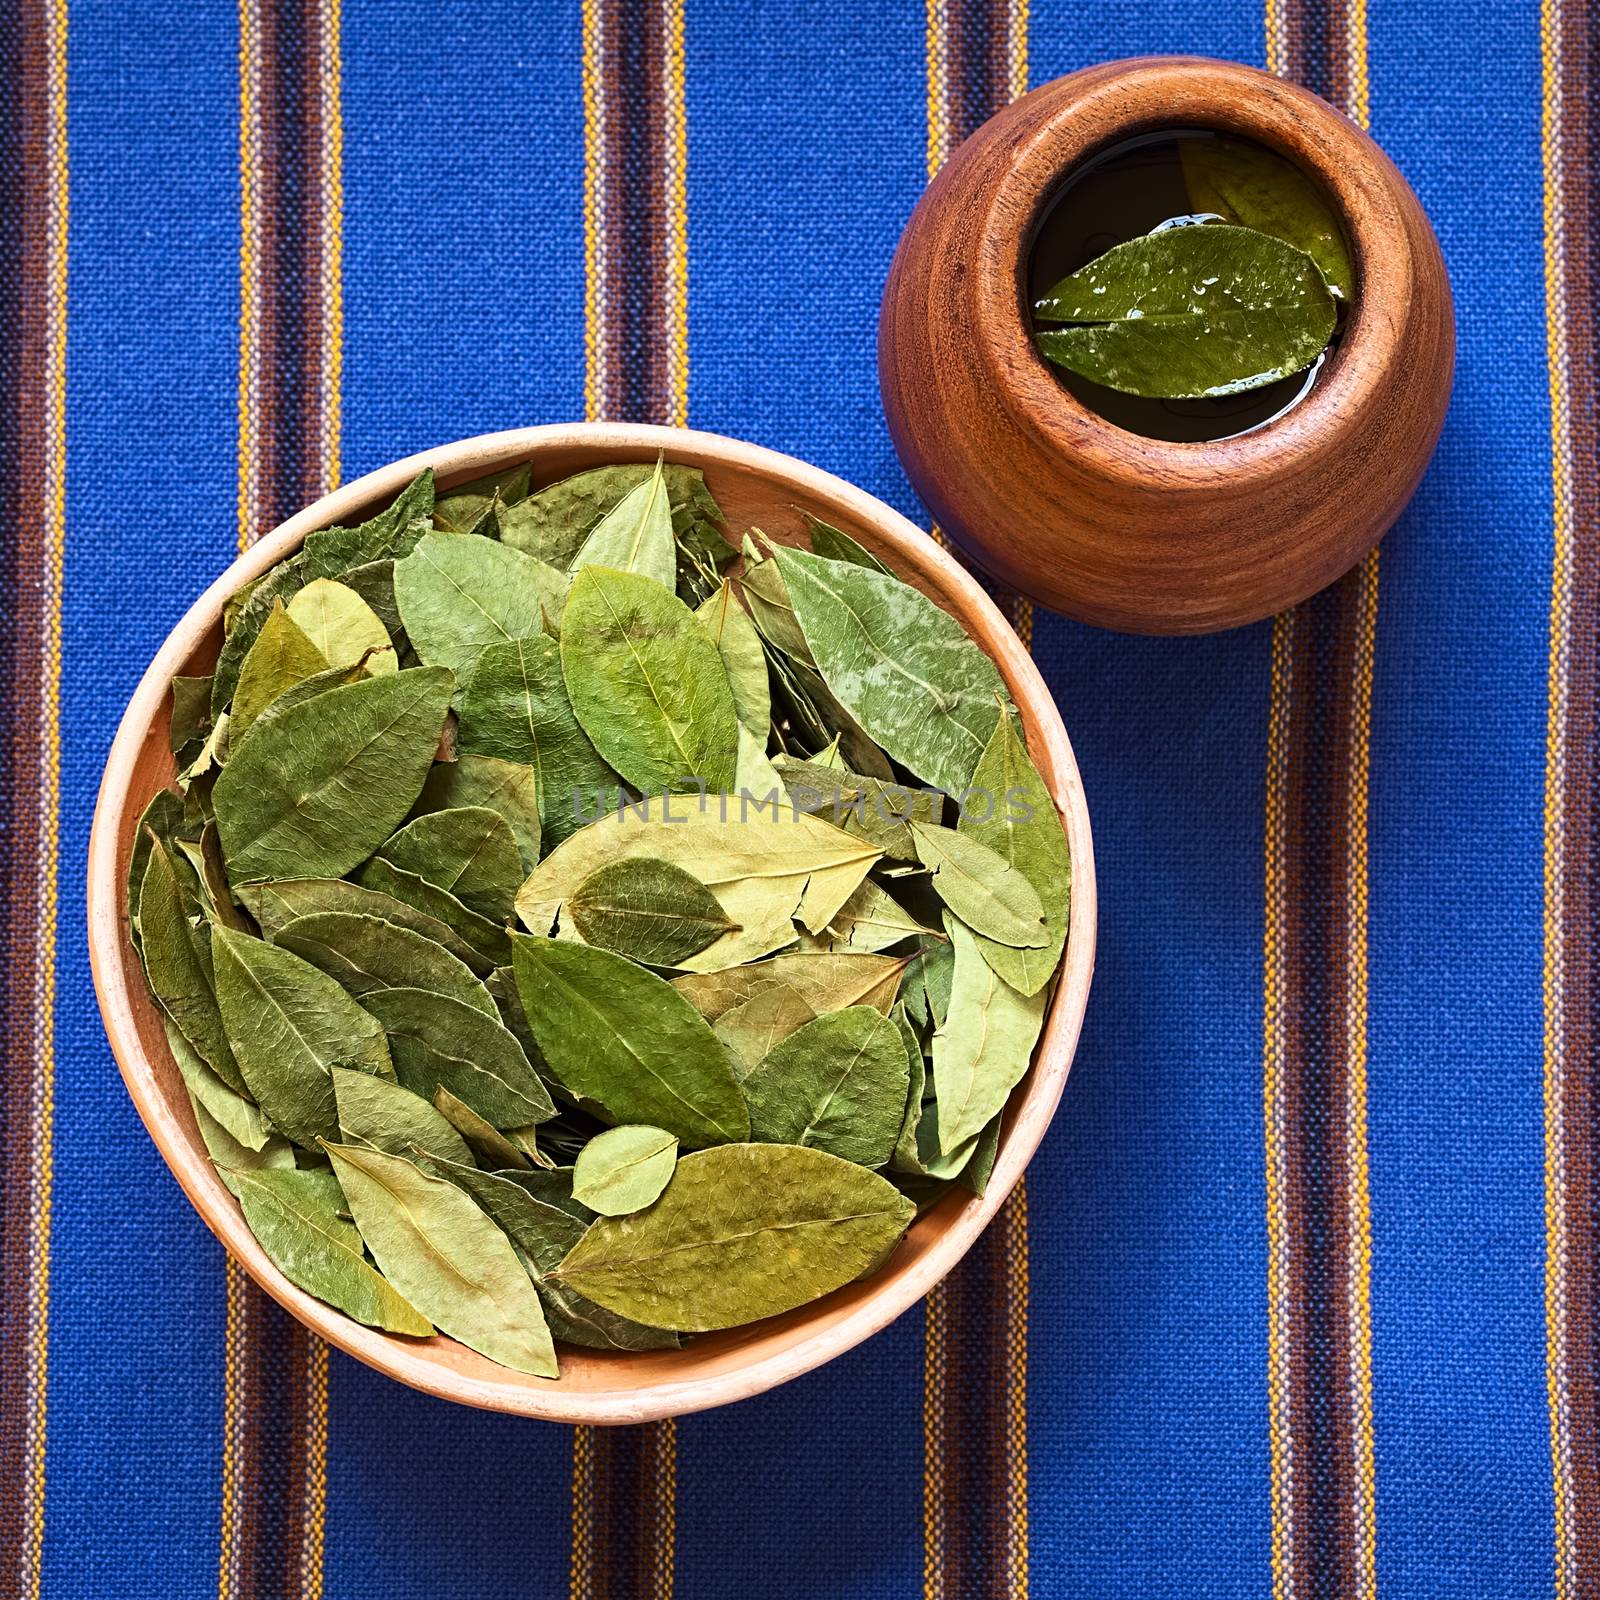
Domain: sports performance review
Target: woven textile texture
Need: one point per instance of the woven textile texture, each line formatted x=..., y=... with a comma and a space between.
x=1302, y=1297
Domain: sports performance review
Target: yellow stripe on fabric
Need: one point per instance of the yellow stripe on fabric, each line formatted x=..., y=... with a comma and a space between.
x=249, y=268
x=1274, y=1054
x=314, y=1534
x=1016, y=1354
x=1552, y=132
x=933, y=1462
x=594, y=216
x=677, y=163
x=330, y=21
x=41, y=1109
x=1355, y=1131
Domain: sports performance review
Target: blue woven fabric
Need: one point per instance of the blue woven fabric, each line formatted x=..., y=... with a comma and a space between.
x=464, y=311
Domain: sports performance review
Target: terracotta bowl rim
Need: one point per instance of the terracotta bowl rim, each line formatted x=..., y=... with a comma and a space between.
x=1101, y=106
x=419, y=1362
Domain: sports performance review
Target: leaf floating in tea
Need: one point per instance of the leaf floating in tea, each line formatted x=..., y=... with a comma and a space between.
x=838, y=1084
x=1256, y=188
x=903, y=668
x=742, y=1232
x=1190, y=312
x=990, y=895
x=318, y=791
x=623, y=1170
x=446, y=1257
x=648, y=910
x=295, y=1216
x=647, y=684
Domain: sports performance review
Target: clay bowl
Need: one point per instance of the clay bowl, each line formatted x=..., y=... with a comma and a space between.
x=1106, y=525
x=754, y=486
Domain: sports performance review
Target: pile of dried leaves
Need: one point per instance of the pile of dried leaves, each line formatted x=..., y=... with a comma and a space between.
x=793, y=897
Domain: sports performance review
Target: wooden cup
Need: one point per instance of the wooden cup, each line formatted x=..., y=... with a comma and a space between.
x=755, y=487
x=1109, y=526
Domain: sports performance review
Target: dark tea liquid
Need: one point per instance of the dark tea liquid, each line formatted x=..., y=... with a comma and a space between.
x=1131, y=190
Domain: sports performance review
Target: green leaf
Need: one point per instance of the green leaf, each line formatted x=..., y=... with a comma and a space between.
x=161, y=819
x=295, y=1216
x=458, y=510
x=366, y=953
x=178, y=976
x=509, y=787
x=316, y=792
x=515, y=707
x=826, y=982
x=622, y=1037
x=240, y=1117
x=436, y=1041
x=753, y=1027
x=543, y=1233
x=282, y=656
x=486, y=939
x=907, y=1157
x=342, y=626
x=1254, y=187
x=901, y=666
x=864, y=806
x=730, y=629
x=837, y=1084
x=648, y=910
x=468, y=851
x=333, y=552
x=985, y=890
x=871, y=919
x=553, y=523
x=623, y=1170
x=244, y=628
x=459, y=595
x=635, y=535
x=385, y=1115
x=191, y=713
x=276, y=905
x=1190, y=312
x=830, y=543
x=290, y=1025
x=647, y=684
x=446, y=1257
x=983, y=1047
x=742, y=1232
x=1023, y=826
x=765, y=865
x=484, y=1141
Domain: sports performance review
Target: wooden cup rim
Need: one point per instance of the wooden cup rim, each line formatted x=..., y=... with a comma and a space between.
x=1089, y=112
x=711, y=1370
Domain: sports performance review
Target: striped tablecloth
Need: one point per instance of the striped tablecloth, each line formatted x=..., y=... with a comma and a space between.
x=1303, y=1296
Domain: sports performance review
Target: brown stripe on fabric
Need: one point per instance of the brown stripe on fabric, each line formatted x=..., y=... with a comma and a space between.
x=1316, y=984
x=276, y=1399
x=1571, y=40
x=633, y=59
x=25, y=495
x=975, y=1444
x=624, y=1479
